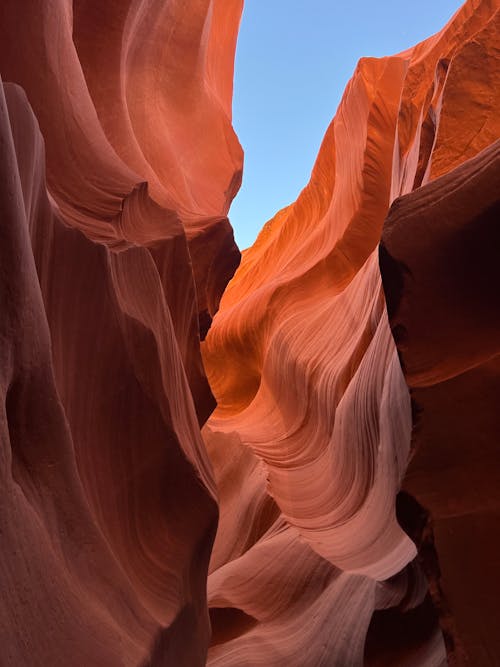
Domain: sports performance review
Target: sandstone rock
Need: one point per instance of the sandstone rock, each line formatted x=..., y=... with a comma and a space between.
x=340, y=506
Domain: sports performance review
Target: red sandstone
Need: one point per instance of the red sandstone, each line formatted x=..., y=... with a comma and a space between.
x=340, y=505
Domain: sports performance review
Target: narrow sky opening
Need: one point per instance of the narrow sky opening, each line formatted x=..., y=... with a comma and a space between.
x=293, y=61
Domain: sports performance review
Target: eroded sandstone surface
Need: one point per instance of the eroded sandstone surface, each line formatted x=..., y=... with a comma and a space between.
x=303, y=472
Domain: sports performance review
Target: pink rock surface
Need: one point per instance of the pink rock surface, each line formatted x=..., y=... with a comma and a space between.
x=306, y=373
x=322, y=517
x=108, y=504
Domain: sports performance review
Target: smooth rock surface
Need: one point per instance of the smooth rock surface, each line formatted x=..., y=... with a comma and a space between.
x=307, y=374
x=114, y=163
x=299, y=469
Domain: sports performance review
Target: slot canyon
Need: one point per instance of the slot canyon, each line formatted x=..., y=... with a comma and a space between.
x=284, y=457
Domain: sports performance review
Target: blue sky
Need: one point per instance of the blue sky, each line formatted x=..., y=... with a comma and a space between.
x=293, y=60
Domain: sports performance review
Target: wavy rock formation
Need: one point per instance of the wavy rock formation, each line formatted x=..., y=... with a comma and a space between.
x=326, y=515
x=109, y=508
x=307, y=375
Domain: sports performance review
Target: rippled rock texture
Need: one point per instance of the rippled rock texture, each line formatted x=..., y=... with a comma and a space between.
x=341, y=507
x=312, y=376
x=119, y=163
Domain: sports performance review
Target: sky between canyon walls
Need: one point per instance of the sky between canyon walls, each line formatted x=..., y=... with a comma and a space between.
x=293, y=60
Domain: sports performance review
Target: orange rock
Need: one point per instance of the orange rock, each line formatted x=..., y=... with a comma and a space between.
x=108, y=504
x=118, y=167
x=301, y=359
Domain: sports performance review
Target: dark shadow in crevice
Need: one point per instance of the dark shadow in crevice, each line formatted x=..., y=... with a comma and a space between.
x=229, y=623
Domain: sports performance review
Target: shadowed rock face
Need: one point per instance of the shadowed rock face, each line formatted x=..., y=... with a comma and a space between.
x=440, y=247
x=117, y=158
x=346, y=486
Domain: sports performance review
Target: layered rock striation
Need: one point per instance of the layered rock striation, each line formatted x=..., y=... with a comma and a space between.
x=119, y=163
x=312, y=376
x=334, y=506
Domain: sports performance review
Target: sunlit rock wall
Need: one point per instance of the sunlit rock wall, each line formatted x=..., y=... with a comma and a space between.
x=307, y=375
x=342, y=505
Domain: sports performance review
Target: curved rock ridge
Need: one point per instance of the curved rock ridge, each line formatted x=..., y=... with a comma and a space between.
x=307, y=375
x=118, y=163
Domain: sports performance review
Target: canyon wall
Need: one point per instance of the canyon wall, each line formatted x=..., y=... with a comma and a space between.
x=340, y=506
x=312, y=376
x=119, y=163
